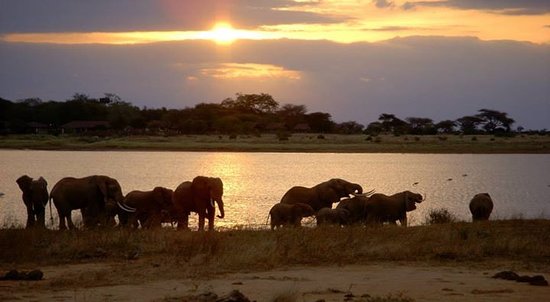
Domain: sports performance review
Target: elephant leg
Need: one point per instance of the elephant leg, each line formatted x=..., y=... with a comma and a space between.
x=403, y=221
x=183, y=222
x=201, y=221
x=211, y=221
x=30, y=217
x=40, y=217
x=62, y=215
x=70, y=220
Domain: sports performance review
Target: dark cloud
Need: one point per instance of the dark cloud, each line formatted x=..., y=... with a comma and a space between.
x=441, y=78
x=509, y=7
x=383, y=3
x=147, y=15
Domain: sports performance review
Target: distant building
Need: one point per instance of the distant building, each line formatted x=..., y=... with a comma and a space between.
x=38, y=128
x=84, y=126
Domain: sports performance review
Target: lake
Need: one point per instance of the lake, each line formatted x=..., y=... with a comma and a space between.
x=253, y=182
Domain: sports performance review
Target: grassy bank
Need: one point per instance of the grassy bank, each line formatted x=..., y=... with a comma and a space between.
x=524, y=242
x=296, y=143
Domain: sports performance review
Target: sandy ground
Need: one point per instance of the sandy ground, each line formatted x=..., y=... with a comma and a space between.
x=332, y=283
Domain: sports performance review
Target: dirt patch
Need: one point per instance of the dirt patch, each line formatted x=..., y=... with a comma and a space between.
x=331, y=283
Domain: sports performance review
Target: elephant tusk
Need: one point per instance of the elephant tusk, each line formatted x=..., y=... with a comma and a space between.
x=366, y=194
x=212, y=202
x=423, y=197
x=126, y=208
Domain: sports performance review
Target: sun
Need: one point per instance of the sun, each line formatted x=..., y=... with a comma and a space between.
x=223, y=33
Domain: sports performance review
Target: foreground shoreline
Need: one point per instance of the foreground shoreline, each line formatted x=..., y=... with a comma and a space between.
x=451, y=262
x=297, y=143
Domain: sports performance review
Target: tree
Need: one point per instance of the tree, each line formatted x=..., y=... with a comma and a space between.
x=446, y=126
x=350, y=127
x=292, y=115
x=374, y=128
x=251, y=103
x=320, y=122
x=391, y=124
x=469, y=124
x=421, y=125
x=492, y=120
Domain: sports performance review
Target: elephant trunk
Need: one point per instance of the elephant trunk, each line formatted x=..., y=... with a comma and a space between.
x=358, y=189
x=220, y=205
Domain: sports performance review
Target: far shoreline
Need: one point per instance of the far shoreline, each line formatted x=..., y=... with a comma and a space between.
x=297, y=143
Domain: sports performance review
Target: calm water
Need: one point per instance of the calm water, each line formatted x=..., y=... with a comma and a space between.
x=253, y=182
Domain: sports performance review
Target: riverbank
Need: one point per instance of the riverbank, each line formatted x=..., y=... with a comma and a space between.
x=482, y=144
x=425, y=262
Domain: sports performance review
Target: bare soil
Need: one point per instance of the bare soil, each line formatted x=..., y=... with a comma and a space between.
x=142, y=280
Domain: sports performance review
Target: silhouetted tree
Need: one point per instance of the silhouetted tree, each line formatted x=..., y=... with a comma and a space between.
x=391, y=124
x=493, y=119
x=251, y=103
x=374, y=128
x=446, y=126
x=421, y=125
x=320, y=122
x=469, y=124
x=350, y=127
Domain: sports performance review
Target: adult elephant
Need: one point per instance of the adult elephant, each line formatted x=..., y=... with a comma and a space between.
x=322, y=195
x=283, y=214
x=481, y=206
x=337, y=216
x=35, y=197
x=148, y=208
x=95, y=196
x=382, y=208
x=198, y=196
x=356, y=207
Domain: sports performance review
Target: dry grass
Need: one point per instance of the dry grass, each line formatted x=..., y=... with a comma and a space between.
x=296, y=143
x=523, y=241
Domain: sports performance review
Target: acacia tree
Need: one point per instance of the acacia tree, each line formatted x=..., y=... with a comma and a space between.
x=251, y=103
x=446, y=126
x=493, y=120
x=469, y=124
x=421, y=125
x=391, y=123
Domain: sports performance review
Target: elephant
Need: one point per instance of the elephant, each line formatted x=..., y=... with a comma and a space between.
x=147, y=208
x=96, y=196
x=381, y=208
x=198, y=196
x=35, y=197
x=356, y=207
x=481, y=206
x=337, y=216
x=322, y=195
x=284, y=214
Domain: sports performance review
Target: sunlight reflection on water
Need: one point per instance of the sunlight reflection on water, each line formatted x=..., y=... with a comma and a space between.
x=253, y=182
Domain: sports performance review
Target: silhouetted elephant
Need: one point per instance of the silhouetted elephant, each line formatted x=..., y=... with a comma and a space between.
x=356, y=208
x=322, y=195
x=148, y=207
x=35, y=197
x=198, y=196
x=481, y=206
x=381, y=208
x=337, y=216
x=96, y=196
x=283, y=214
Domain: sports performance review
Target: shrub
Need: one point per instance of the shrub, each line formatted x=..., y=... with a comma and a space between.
x=378, y=139
x=369, y=138
x=416, y=138
x=442, y=138
x=440, y=216
x=474, y=138
x=320, y=136
x=283, y=136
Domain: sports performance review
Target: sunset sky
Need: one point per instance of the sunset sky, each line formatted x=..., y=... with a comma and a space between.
x=354, y=59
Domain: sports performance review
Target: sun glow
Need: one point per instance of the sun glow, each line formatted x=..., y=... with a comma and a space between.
x=223, y=33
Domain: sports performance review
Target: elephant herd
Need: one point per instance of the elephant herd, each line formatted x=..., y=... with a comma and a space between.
x=100, y=200
x=356, y=207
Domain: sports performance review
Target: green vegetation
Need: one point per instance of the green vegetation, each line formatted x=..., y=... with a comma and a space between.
x=286, y=143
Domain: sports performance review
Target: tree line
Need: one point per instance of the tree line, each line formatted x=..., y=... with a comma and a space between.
x=241, y=114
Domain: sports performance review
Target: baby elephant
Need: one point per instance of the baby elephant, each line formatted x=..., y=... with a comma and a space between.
x=284, y=214
x=481, y=206
x=35, y=197
x=328, y=216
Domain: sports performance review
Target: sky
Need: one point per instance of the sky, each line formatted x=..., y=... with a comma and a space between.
x=441, y=59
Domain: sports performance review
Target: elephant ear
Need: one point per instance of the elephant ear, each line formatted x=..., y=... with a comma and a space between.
x=158, y=196
x=24, y=182
x=410, y=205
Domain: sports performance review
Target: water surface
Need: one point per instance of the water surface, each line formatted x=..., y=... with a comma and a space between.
x=253, y=182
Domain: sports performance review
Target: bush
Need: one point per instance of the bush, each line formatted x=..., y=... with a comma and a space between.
x=440, y=216
x=442, y=138
x=320, y=136
x=369, y=138
x=474, y=138
x=283, y=136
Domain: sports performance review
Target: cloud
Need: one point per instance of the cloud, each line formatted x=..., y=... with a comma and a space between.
x=507, y=7
x=436, y=77
x=25, y=16
x=383, y=3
